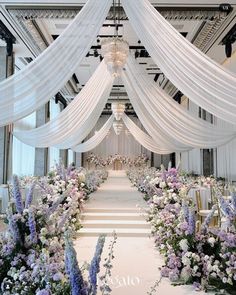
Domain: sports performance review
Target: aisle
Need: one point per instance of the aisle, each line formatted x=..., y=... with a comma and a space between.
x=136, y=263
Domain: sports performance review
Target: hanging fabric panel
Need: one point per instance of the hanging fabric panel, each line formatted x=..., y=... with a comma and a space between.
x=201, y=79
x=158, y=134
x=143, y=138
x=96, y=139
x=74, y=123
x=33, y=86
x=176, y=121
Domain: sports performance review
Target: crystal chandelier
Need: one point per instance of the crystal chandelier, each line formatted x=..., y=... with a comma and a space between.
x=118, y=110
x=115, y=52
x=117, y=127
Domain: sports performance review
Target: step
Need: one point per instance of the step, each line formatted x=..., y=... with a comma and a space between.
x=112, y=216
x=115, y=224
x=111, y=210
x=123, y=232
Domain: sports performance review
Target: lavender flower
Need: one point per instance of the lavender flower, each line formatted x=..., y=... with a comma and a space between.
x=95, y=265
x=208, y=219
x=17, y=194
x=226, y=209
x=75, y=276
x=191, y=221
x=185, y=211
x=32, y=227
x=14, y=229
x=29, y=197
x=234, y=200
x=43, y=292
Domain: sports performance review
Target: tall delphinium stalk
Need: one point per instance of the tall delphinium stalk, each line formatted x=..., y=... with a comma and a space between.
x=71, y=264
x=29, y=197
x=208, y=219
x=32, y=227
x=13, y=227
x=95, y=265
x=105, y=288
x=17, y=194
x=191, y=221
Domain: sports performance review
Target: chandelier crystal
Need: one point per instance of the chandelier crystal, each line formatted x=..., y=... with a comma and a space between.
x=118, y=110
x=115, y=52
x=117, y=127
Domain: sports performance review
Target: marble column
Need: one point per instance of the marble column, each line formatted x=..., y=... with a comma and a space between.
x=78, y=160
x=64, y=157
x=6, y=70
x=41, y=154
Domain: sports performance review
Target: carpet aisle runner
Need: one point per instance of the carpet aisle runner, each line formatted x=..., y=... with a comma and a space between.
x=136, y=263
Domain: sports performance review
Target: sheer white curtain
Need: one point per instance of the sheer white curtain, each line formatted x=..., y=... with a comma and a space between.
x=70, y=157
x=175, y=121
x=23, y=155
x=143, y=138
x=96, y=139
x=30, y=88
x=205, y=82
x=54, y=153
x=123, y=144
x=74, y=123
x=190, y=161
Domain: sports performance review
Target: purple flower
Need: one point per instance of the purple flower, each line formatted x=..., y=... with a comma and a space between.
x=14, y=229
x=17, y=194
x=32, y=227
x=29, y=197
x=208, y=219
x=95, y=265
x=76, y=280
x=191, y=221
x=234, y=200
x=43, y=292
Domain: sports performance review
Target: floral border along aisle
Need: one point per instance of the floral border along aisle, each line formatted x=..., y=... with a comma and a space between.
x=36, y=251
x=204, y=256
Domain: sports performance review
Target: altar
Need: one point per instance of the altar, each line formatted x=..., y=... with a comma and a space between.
x=117, y=164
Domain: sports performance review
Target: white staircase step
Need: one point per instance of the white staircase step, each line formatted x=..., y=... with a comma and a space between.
x=121, y=232
x=115, y=224
x=111, y=210
x=112, y=216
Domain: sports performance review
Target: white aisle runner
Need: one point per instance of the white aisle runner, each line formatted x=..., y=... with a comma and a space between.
x=136, y=264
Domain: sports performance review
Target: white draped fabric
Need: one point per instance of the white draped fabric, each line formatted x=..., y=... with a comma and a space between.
x=74, y=123
x=124, y=144
x=96, y=139
x=54, y=153
x=179, y=123
x=23, y=156
x=32, y=87
x=205, y=82
x=143, y=138
x=164, y=141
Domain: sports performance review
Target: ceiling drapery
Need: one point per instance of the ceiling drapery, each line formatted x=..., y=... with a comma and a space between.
x=204, y=81
x=154, y=130
x=75, y=122
x=171, y=117
x=143, y=138
x=33, y=86
x=96, y=139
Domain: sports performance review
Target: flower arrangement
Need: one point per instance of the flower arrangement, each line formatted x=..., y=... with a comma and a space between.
x=35, y=256
x=205, y=258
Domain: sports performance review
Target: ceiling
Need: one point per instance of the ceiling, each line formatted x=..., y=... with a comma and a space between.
x=35, y=24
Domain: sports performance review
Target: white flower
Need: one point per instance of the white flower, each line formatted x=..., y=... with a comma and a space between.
x=185, y=274
x=184, y=245
x=186, y=260
x=162, y=184
x=224, y=280
x=211, y=241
